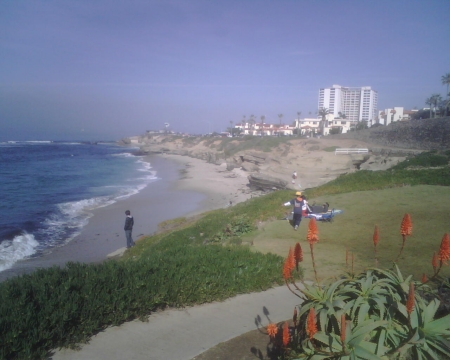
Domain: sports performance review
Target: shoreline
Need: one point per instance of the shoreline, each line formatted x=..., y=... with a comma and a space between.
x=185, y=187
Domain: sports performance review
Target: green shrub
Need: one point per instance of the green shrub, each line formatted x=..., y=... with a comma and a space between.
x=426, y=159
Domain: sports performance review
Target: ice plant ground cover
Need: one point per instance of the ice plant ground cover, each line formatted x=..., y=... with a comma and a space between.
x=377, y=314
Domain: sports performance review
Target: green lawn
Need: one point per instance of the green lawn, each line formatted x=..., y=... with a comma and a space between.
x=353, y=230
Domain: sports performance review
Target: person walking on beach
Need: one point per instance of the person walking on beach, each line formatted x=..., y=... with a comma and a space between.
x=298, y=204
x=129, y=222
x=294, y=176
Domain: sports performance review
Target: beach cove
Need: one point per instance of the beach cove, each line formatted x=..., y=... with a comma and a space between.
x=184, y=187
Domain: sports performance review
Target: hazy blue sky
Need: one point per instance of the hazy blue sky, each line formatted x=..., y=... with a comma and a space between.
x=105, y=69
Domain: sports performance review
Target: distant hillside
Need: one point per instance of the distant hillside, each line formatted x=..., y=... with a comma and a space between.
x=426, y=134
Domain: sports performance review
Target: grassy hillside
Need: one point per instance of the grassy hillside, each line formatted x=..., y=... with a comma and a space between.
x=201, y=260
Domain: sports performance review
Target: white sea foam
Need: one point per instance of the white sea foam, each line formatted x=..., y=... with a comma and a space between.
x=16, y=249
x=68, y=221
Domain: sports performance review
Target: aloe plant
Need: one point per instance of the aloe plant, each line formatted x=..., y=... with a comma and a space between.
x=379, y=326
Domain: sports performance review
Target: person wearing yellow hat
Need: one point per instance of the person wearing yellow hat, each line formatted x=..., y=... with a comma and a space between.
x=298, y=202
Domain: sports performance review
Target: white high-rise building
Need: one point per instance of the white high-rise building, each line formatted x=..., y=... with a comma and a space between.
x=358, y=104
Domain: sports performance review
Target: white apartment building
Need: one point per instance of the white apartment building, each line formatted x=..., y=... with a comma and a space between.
x=358, y=104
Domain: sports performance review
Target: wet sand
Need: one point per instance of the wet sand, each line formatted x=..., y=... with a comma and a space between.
x=185, y=187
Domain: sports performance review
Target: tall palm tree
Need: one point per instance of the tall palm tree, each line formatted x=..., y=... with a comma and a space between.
x=429, y=101
x=280, y=116
x=437, y=99
x=252, y=122
x=323, y=113
x=298, y=122
x=446, y=81
x=262, y=125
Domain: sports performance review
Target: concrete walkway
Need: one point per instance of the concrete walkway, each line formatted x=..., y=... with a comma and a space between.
x=183, y=334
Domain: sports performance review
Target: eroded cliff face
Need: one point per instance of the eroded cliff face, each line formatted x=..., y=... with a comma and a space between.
x=314, y=160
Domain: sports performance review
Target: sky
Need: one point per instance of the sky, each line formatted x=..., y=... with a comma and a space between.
x=108, y=69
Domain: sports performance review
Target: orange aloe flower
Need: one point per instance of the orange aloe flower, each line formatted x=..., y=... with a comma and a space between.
x=298, y=254
x=410, y=301
x=294, y=318
x=286, y=335
x=424, y=278
x=289, y=265
x=272, y=330
x=313, y=232
x=312, y=323
x=444, y=251
x=376, y=236
x=343, y=328
x=346, y=257
x=435, y=262
x=406, y=228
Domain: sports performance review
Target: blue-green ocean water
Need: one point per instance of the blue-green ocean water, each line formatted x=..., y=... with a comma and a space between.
x=47, y=190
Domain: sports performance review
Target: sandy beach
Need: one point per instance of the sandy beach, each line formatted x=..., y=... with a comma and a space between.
x=185, y=187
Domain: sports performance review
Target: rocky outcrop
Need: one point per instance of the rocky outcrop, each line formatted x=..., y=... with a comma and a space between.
x=265, y=182
x=358, y=159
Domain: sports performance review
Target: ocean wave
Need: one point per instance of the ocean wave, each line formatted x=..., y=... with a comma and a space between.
x=62, y=222
x=21, y=247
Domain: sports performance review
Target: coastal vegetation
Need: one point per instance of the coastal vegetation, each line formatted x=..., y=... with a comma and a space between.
x=377, y=314
x=207, y=258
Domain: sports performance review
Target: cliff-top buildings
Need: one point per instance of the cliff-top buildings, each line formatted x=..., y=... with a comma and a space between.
x=357, y=103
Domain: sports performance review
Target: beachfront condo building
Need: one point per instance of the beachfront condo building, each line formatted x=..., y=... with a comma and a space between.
x=356, y=103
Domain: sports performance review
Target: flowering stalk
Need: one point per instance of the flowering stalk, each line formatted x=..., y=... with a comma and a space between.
x=298, y=254
x=443, y=255
x=410, y=301
x=405, y=230
x=376, y=239
x=424, y=278
x=272, y=330
x=343, y=330
x=313, y=237
x=289, y=266
x=286, y=335
x=435, y=263
x=312, y=324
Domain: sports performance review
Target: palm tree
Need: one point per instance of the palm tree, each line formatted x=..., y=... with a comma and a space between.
x=429, y=101
x=323, y=113
x=262, y=125
x=252, y=122
x=280, y=116
x=446, y=81
x=298, y=122
x=437, y=98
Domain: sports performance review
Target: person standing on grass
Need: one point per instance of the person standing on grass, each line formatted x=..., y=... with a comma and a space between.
x=298, y=204
x=129, y=222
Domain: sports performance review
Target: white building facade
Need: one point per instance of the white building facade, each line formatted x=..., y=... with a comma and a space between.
x=358, y=104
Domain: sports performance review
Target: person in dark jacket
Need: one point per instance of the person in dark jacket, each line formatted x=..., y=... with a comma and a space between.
x=298, y=202
x=129, y=222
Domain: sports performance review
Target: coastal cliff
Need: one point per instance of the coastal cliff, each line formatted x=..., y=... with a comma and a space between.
x=270, y=162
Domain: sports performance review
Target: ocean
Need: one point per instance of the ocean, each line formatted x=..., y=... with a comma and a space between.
x=48, y=190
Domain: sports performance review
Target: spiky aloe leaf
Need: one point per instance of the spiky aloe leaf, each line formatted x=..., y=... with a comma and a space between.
x=430, y=311
x=363, y=330
x=362, y=312
x=440, y=344
x=361, y=352
x=331, y=341
x=438, y=327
